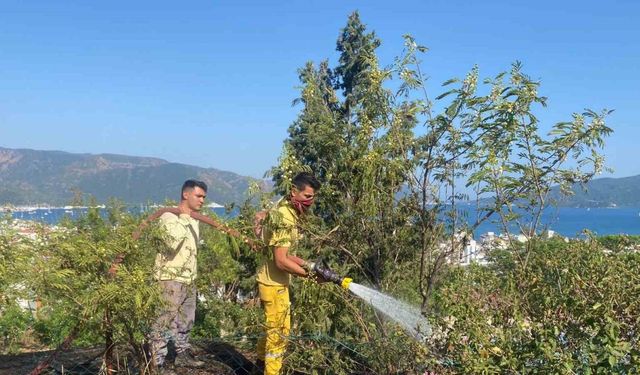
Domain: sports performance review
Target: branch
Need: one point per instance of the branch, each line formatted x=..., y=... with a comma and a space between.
x=194, y=214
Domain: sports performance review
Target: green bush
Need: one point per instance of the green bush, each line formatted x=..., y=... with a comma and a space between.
x=15, y=324
x=620, y=242
x=572, y=308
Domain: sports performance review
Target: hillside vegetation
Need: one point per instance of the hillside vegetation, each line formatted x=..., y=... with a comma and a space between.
x=57, y=178
x=538, y=306
x=604, y=192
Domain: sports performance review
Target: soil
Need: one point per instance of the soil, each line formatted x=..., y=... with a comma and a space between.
x=219, y=358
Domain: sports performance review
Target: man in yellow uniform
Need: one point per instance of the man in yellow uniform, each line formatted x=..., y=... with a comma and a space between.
x=281, y=234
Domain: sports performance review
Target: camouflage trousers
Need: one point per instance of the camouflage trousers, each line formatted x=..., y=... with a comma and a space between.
x=170, y=333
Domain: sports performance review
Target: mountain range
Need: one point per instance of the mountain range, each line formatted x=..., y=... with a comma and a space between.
x=604, y=192
x=29, y=177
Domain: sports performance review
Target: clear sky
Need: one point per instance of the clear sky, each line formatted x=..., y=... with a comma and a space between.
x=210, y=83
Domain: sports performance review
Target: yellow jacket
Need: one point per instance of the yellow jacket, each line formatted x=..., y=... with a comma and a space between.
x=281, y=230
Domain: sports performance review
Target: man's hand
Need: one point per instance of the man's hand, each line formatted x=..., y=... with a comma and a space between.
x=152, y=217
x=311, y=273
x=113, y=270
x=115, y=265
x=255, y=246
x=322, y=271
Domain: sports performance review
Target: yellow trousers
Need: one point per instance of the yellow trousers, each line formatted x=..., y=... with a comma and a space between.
x=271, y=347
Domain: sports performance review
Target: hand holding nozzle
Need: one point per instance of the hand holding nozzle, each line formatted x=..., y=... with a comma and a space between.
x=322, y=271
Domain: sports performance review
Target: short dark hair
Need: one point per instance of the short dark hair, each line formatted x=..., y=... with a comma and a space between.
x=191, y=184
x=304, y=179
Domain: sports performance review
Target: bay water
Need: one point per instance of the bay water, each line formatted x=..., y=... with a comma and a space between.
x=53, y=215
x=567, y=221
x=571, y=222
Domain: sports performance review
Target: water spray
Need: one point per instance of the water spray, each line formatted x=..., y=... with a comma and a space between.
x=408, y=317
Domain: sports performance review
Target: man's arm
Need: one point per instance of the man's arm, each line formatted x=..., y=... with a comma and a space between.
x=175, y=223
x=288, y=263
x=177, y=229
x=152, y=217
x=196, y=215
x=225, y=229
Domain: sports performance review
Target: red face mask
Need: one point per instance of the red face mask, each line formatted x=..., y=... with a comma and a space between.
x=301, y=205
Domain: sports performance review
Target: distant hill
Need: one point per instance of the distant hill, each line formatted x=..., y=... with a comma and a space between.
x=601, y=192
x=605, y=192
x=51, y=177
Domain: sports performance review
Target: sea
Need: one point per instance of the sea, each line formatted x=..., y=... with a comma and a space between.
x=53, y=215
x=572, y=222
x=566, y=221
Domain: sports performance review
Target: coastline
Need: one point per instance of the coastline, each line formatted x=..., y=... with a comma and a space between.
x=565, y=221
x=27, y=208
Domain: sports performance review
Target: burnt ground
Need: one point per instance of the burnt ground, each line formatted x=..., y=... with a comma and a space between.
x=220, y=358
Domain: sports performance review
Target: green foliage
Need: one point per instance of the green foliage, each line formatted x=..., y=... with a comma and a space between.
x=573, y=310
x=222, y=317
x=53, y=324
x=14, y=259
x=14, y=325
x=15, y=255
x=68, y=276
x=226, y=272
x=348, y=336
x=390, y=162
x=620, y=242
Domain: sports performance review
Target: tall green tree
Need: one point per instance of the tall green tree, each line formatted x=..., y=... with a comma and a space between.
x=395, y=164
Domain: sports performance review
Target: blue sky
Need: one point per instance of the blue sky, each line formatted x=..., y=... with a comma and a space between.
x=210, y=83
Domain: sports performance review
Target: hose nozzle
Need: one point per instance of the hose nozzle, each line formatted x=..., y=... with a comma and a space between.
x=346, y=282
x=321, y=268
